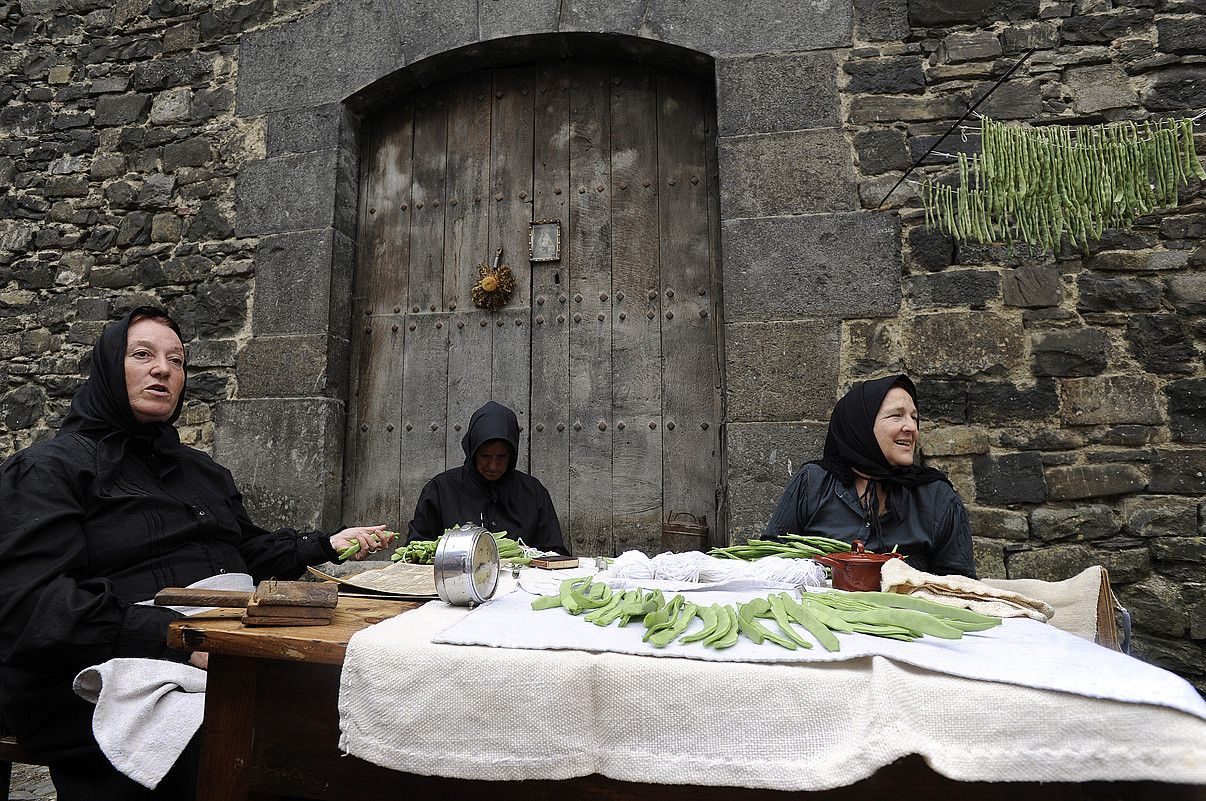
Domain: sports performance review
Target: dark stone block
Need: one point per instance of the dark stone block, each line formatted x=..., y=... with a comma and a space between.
x=1176, y=88
x=1179, y=471
x=825, y=265
x=881, y=20
x=886, y=109
x=135, y=229
x=1093, y=522
x=991, y=402
x=887, y=76
x=781, y=371
x=180, y=270
x=1161, y=343
x=938, y=13
x=972, y=288
x=802, y=172
x=1187, y=409
x=293, y=366
x=290, y=270
x=1033, y=286
x=1059, y=562
x=209, y=103
x=765, y=94
x=213, y=309
x=234, y=19
x=1076, y=352
x=963, y=343
x=194, y=68
x=1048, y=439
x=1093, y=481
x=210, y=224
x=194, y=152
x=1132, y=261
x=929, y=249
x=762, y=457
x=496, y=20
x=1182, y=35
x=320, y=128
x=1017, y=39
x=1186, y=226
x=880, y=151
x=999, y=524
x=1011, y=478
x=763, y=26
x=156, y=191
x=964, y=46
x=290, y=193
x=208, y=387
x=1108, y=400
x=1103, y=28
x=23, y=407
x=1116, y=294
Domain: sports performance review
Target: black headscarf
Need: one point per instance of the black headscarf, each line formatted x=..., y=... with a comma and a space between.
x=490, y=422
x=100, y=409
x=850, y=446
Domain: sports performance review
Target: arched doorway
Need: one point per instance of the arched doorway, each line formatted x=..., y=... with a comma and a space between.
x=609, y=352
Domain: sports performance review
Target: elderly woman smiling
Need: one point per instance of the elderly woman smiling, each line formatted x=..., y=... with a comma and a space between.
x=100, y=518
x=871, y=484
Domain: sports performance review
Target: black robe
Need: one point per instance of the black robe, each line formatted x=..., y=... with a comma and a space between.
x=92, y=522
x=516, y=503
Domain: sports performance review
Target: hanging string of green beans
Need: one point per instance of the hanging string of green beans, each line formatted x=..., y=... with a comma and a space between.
x=1037, y=185
x=422, y=552
x=794, y=546
x=881, y=614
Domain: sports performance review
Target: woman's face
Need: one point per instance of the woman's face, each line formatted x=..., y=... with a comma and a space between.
x=492, y=459
x=896, y=427
x=154, y=370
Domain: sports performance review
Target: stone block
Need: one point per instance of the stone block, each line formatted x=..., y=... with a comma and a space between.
x=1075, y=352
x=293, y=366
x=287, y=459
x=830, y=265
x=1182, y=34
x=997, y=402
x=1160, y=517
x=293, y=193
x=888, y=109
x=1033, y=286
x=1010, y=478
x=787, y=92
x=496, y=20
x=969, y=46
x=1176, y=88
x=1180, y=549
x=121, y=109
x=1059, y=562
x=872, y=347
x=192, y=152
x=1156, y=604
x=972, y=288
x=1139, y=260
x=211, y=309
x=1017, y=39
x=940, y=13
x=1179, y=656
x=1187, y=409
x=998, y=524
x=172, y=106
x=1045, y=439
x=781, y=371
x=210, y=353
x=886, y=76
x=989, y=558
x=304, y=130
x=156, y=191
x=623, y=16
x=929, y=249
x=1099, y=88
x=289, y=66
x=1107, y=400
x=761, y=460
x=227, y=20
x=1187, y=292
x=210, y=223
x=881, y=150
x=1162, y=343
x=1093, y=481
x=1092, y=522
x=954, y=441
x=1126, y=435
x=881, y=20
x=963, y=343
x=1183, y=226
x=802, y=172
x=1097, y=294
x=294, y=282
x=763, y=26
x=1103, y=28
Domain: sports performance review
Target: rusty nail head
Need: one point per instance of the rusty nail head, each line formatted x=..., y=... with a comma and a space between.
x=452, y=306
x=363, y=427
x=582, y=190
x=602, y=296
x=669, y=315
x=397, y=309
x=394, y=327
x=483, y=323
x=439, y=325
x=619, y=296
x=670, y=425
x=556, y=190
x=623, y=315
x=578, y=426
x=403, y=207
x=432, y=307
x=649, y=314
x=646, y=183
x=415, y=309
x=703, y=312
x=456, y=427
x=669, y=293
x=436, y=204
x=620, y=425
x=389, y=427
x=577, y=318
x=500, y=322
x=499, y=196
x=602, y=317
x=460, y=323
x=562, y=297
x=434, y=427
x=602, y=426
x=561, y=318
x=704, y=426
x=409, y=426
x=702, y=291
x=540, y=426
x=540, y=320
x=652, y=425
x=411, y=326
x=577, y=298
x=372, y=211
x=418, y=205
x=561, y=426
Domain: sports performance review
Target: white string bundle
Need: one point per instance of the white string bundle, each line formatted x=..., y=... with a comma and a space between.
x=699, y=568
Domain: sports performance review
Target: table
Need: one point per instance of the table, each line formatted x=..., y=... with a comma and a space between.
x=272, y=730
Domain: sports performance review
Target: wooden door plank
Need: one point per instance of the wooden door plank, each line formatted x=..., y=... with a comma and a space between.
x=510, y=215
x=636, y=327
x=424, y=399
x=375, y=439
x=466, y=219
x=548, y=428
x=468, y=374
x=384, y=248
x=426, y=291
x=590, y=310
x=691, y=373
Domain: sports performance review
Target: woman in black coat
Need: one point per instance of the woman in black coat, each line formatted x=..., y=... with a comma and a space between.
x=101, y=517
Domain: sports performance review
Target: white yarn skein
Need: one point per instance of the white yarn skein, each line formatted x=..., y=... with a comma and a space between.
x=633, y=565
x=697, y=567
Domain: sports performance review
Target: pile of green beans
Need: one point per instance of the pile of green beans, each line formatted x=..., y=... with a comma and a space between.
x=880, y=614
x=422, y=552
x=794, y=546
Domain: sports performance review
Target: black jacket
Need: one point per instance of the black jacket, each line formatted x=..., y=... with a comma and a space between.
x=516, y=503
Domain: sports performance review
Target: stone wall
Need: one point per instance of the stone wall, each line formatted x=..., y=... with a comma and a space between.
x=200, y=155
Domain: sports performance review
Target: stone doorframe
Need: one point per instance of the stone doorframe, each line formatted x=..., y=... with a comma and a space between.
x=798, y=256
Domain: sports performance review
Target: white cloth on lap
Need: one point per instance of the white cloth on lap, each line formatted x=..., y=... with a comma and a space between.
x=961, y=591
x=147, y=710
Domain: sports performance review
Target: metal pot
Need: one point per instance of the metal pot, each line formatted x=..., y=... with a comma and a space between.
x=466, y=565
x=857, y=571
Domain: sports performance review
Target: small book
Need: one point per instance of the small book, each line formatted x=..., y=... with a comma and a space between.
x=554, y=562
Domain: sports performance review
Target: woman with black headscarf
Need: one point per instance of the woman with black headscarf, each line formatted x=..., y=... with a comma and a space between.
x=100, y=518
x=487, y=489
x=870, y=485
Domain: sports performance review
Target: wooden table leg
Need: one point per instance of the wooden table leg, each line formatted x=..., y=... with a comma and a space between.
x=229, y=729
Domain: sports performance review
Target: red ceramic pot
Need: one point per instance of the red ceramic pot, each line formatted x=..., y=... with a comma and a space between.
x=857, y=571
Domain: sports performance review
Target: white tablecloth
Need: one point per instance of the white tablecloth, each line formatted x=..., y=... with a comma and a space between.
x=512, y=713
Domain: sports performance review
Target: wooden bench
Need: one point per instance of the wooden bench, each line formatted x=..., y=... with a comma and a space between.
x=10, y=752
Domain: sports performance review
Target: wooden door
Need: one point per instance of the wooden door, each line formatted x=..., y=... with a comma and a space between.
x=610, y=356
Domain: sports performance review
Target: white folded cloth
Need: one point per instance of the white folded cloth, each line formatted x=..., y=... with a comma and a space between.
x=147, y=710
x=896, y=576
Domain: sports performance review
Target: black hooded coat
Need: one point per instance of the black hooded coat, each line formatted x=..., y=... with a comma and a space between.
x=516, y=503
x=95, y=520
x=924, y=519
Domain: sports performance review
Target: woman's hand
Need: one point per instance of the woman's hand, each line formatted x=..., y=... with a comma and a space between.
x=368, y=539
x=199, y=659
